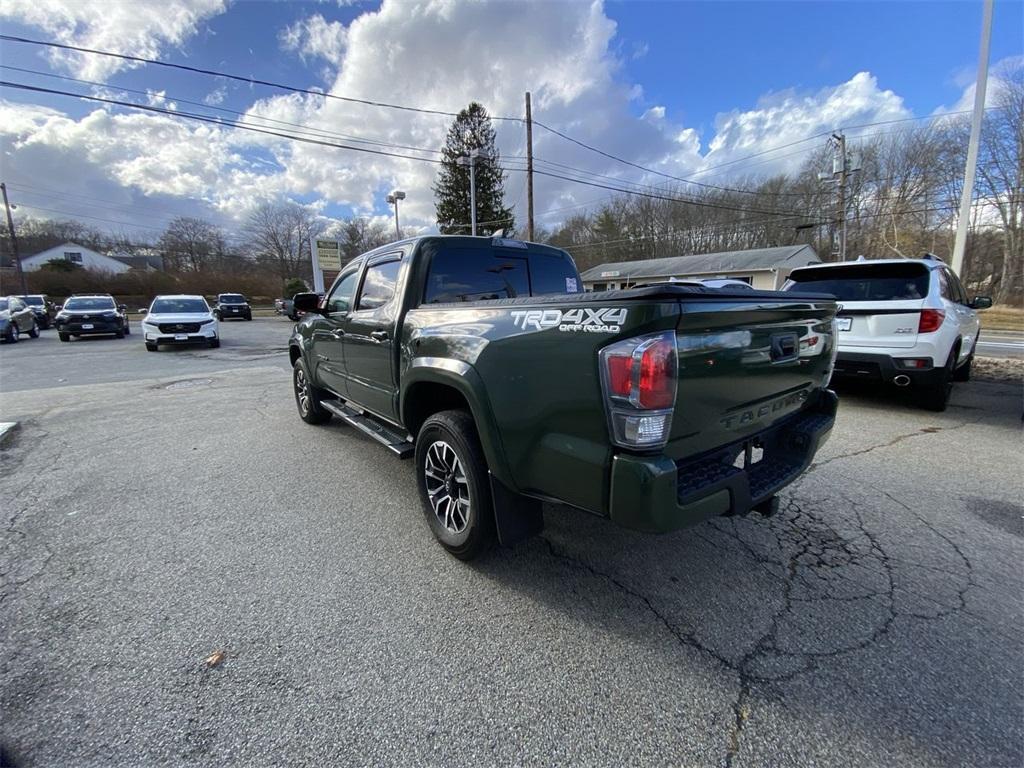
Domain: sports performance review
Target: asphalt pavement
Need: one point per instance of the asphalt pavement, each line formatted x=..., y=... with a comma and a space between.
x=1007, y=344
x=161, y=507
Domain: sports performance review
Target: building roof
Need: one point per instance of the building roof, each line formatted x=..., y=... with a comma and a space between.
x=788, y=256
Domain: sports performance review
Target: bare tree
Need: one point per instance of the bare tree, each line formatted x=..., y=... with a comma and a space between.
x=359, y=235
x=281, y=236
x=191, y=245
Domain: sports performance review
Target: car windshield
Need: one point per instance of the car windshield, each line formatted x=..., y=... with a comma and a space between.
x=863, y=282
x=178, y=307
x=232, y=298
x=35, y=301
x=96, y=302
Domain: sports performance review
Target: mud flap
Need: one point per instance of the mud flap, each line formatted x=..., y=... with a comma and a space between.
x=516, y=517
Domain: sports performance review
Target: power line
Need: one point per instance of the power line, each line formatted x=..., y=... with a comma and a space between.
x=244, y=115
x=239, y=78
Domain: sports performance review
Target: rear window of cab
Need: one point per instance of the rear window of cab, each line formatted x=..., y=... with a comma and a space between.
x=480, y=272
x=863, y=282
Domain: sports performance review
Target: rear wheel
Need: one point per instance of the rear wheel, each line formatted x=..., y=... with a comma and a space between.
x=308, y=396
x=935, y=397
x=451, y=472
x=963, y=373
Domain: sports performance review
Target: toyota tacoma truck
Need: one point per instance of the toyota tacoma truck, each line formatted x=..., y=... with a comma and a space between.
x=484, y=361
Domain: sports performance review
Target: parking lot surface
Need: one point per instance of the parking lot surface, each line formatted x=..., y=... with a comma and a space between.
x=161, y=507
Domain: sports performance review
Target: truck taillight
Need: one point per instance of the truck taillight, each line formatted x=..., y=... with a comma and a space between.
x=930, y=320
x=639, y=379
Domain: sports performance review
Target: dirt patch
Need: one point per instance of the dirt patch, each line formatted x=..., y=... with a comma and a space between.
x=992, y=369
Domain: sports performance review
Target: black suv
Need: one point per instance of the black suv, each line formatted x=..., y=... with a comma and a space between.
x=231, y=305
x=92, y=314
x=43, y=308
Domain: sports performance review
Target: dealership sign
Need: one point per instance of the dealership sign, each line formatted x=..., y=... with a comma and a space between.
x=328, y=254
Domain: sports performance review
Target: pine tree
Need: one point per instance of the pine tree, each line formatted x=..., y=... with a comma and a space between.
x=471, y=130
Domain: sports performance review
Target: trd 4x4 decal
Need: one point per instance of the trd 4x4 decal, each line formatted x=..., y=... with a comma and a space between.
x=601, y=320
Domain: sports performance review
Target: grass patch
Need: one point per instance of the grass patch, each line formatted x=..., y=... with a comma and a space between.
x=1002, y=319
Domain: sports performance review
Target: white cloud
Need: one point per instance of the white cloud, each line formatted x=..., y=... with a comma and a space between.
x=138, y=27
x=429, y=54
x=315, y=37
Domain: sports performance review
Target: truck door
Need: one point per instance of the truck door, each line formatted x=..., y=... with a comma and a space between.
x=329, y=330
x=369, y=338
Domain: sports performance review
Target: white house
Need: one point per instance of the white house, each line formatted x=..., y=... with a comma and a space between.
x=76, y=254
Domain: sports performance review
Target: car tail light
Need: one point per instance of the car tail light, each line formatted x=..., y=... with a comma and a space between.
x=930, y=320
x=639, y=379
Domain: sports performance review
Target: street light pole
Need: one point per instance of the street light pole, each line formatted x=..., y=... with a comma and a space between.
x=393, y=198
x=472, y=190
x=14, y=240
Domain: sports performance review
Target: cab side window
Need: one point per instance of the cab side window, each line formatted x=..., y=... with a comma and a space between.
x=340, y=299
x=379, y=283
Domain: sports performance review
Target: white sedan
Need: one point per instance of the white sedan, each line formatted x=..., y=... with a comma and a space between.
x=180, y=320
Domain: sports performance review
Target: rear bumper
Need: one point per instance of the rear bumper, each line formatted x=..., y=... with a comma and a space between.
x=868, y=366
x=656, y=494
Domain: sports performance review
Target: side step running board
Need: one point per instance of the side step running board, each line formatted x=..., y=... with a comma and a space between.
x=382, y=433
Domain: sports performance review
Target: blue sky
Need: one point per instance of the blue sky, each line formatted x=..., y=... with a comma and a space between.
x=661, y=84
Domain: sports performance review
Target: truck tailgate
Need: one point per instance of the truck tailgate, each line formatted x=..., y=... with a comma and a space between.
x=743, y=365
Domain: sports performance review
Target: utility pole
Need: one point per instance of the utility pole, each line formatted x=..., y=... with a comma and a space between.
x=842, y=166
x=14, y=241
x=960, y=244
x=529, y=169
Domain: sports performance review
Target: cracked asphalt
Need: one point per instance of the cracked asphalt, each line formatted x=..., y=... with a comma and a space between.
x=158, y=508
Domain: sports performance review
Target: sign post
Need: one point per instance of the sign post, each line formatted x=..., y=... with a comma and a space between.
x=326, y=258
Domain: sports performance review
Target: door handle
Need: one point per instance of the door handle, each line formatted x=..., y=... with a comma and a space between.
x=379, y=335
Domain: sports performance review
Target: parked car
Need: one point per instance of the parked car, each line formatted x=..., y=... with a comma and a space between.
x=907, y=322
x=232, y=305
x=16, y=318
x=92, y=314
x=287, y=307
x=656, y=407
x=45, y=309
x=180, y=319
x=727, y=282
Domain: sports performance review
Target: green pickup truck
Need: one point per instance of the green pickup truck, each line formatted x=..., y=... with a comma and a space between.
x=482, y=358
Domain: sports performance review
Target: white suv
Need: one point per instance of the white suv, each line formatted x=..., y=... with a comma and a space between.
x=904, y=321
x=180, y=319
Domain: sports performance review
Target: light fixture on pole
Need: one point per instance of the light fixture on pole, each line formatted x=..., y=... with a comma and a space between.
x=471, y=162
x=393, y=199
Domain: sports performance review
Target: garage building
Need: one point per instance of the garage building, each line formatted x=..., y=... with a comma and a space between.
x=763, y=268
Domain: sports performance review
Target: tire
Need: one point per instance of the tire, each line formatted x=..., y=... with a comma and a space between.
x=214, y=343
x=308, y=396
x=33, y=332
x=151, y=347
x=447, y=449
x=119, y=334
x=64, y=336
x=248, y=317
x=127, y=330
x=963, y=373
x=13, y=334
x=935, y=397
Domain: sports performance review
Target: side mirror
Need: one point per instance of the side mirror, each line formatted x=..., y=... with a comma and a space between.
x=143, y=311
x=981, y=302
x=306, y=302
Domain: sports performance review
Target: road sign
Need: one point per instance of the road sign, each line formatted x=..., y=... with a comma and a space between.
x=328, y=253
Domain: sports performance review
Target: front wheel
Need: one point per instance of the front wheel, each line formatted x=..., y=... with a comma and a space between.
x=33, y=332
x=307, y=396
x=64, y=336
x=451, y=472
x=127, y=330
x=150, y=346
x=214, y=343
x=13, y=334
